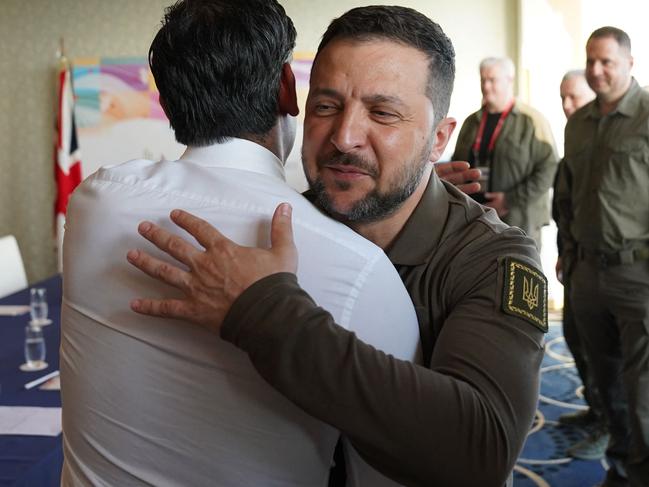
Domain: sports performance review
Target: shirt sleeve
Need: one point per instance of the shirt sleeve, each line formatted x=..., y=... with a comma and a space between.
x=465, y=417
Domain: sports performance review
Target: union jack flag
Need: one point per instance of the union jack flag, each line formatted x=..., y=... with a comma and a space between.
x=67, y=160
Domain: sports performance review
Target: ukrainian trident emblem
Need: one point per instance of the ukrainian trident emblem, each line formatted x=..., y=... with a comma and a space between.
x=530, y=293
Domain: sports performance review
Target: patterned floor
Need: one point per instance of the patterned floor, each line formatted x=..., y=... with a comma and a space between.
x=543, y=462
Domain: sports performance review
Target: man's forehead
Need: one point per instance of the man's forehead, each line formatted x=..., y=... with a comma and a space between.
x=383, y=47
x=602, y=46
x=374, y=61
x=493, y=71
x=573, y=84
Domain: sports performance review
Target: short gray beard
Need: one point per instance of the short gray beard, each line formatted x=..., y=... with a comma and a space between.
x=375, y=205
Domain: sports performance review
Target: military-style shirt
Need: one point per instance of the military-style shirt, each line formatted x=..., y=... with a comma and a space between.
x=463, y=416
x=604, y=183
x=523, y=164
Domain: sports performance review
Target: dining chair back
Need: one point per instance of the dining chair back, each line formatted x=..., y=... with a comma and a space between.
x=12, y=270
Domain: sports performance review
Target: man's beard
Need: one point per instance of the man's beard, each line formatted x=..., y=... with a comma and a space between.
x=376, y=205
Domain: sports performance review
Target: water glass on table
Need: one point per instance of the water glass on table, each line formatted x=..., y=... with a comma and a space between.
x=38, y=306
x=34, y=349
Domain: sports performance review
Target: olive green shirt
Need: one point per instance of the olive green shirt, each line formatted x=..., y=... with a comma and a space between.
x=603, y=193
x=461, y=418
x=523, y=164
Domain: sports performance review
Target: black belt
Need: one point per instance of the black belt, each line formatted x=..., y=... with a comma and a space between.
x=606, y=259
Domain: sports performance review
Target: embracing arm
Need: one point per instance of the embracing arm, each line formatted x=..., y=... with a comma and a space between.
x=463, y=419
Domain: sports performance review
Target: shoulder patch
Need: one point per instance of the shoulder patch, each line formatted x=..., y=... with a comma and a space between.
x=526, y=293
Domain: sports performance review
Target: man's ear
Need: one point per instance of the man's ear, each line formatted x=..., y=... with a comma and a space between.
x=442, y=135
x=287, y=92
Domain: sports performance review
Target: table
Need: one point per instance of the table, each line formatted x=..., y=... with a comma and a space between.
x=29, y=460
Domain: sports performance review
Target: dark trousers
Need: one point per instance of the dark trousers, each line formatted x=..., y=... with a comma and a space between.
x=611, y=308
x=576, y=347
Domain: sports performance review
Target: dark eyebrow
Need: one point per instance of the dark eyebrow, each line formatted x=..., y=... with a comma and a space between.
x=368, y=100
x=378, y=99
x=326, y=92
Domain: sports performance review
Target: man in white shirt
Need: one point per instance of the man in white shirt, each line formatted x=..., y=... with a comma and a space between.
x=152, y=403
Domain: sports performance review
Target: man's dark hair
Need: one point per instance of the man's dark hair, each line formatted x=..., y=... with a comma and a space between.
x=410, y=28
x=217, y=65
x=621, y=37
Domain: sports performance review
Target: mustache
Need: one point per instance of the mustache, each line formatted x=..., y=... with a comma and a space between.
x=338, y=158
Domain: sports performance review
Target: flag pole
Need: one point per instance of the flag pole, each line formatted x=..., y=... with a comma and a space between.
x=60, y=54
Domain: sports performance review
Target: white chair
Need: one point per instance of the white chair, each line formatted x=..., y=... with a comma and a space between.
x=12, y=271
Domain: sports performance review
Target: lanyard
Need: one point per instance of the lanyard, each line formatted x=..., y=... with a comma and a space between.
x=496, y=132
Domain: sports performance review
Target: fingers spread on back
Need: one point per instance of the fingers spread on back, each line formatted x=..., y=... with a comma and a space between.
x=168, y=242
x=201, y=230
x=159, y=269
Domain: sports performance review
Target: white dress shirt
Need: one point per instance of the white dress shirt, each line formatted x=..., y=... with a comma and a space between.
x=159, y=402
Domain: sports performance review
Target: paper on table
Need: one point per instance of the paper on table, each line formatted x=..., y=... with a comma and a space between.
x=13, y=310
x=54, y=384
x=22, y=420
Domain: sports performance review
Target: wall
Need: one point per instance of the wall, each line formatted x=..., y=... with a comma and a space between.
x=29, y=36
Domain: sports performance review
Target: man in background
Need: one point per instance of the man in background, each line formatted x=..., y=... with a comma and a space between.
x=513, y=145
x=575, y=93
x=375, y=122
x=604, y=226
x=155, y=404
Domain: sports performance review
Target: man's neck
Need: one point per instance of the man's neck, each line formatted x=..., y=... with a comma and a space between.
x=273, y=140
x=269, y=141
x=383, y=232
x=498, y=107
x=608, y=104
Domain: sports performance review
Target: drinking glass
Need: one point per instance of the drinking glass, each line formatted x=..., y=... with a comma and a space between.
x=38, y=305
x=34, y=348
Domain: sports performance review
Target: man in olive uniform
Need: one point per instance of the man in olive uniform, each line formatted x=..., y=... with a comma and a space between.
x=604, y=224
x=375, y=120
x=575, y=93
x=512, y=143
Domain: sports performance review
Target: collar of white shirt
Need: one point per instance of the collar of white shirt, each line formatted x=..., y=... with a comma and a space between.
x=239, y=154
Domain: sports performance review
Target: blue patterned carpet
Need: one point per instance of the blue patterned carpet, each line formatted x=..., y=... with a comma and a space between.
x=543, y=461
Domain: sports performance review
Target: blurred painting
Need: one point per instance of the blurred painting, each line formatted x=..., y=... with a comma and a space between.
x=119, y=116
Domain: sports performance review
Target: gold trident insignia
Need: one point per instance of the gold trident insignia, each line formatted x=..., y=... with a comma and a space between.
x=530, y=293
